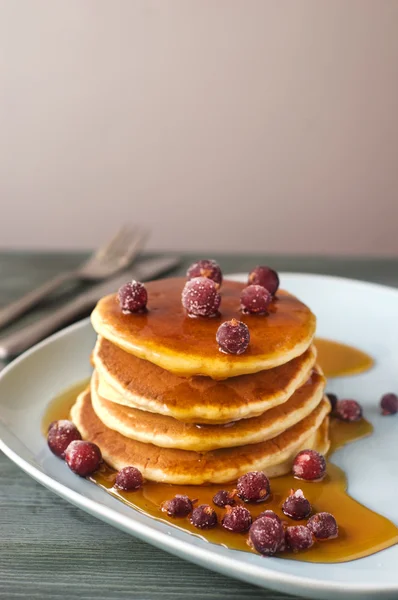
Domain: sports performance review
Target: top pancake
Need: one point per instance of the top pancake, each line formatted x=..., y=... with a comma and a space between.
x=166, y=336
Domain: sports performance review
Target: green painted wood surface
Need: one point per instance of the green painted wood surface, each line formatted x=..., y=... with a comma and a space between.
x=50, y=549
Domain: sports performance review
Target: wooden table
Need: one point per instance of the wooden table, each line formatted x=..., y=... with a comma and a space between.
x=50, y=549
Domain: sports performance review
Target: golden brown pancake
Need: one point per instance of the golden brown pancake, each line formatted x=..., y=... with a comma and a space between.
x=187, y=346
x=138, y=383
x=188, y=467
x=167, y=432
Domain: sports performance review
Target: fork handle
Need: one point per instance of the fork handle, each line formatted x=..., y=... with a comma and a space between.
x=22, y=305
x=19, y=341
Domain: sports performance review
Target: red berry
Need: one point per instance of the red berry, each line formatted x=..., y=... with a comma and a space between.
x=389, y=404
x=205, y=268
x=224, y=498
x=296, y=506
x=324, y=526
x=129, y=479
x=253, y=487
x=204, y=517
x=179, y=506
x=255, y=299
x=233, y=337
x=266, y=536
x=133, y=297
x=83, y=458
x=333, y=400
x=265, y=277
x=237, y=519
x=200, y=297
x=309, y=465
x=269, y=514
x=299, y=537
x=348, y=410
x=60, y=435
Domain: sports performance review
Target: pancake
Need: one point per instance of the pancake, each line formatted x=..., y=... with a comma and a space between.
x=138, y=383
x=167, y=337
x=167, y=432
x=194, y=468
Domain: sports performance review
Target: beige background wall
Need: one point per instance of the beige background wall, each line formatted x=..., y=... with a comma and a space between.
x=222, y=124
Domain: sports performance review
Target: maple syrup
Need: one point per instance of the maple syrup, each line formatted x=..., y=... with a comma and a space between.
x=61, y=406
x=339, y=360
x=361, y=531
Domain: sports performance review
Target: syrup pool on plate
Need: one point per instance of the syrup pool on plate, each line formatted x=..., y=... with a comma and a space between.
x=338, y=360
x=361, y=531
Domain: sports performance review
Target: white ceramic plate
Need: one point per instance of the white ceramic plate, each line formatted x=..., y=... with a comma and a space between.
x=364, y=315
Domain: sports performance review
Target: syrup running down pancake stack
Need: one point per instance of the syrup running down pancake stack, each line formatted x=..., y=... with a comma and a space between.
x=165, y=399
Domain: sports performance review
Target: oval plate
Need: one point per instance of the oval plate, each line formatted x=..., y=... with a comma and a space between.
x=361, y=314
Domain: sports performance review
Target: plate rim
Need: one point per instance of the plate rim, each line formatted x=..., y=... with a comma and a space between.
x=225, y=565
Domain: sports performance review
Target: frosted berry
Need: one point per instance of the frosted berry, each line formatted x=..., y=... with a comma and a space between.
x=299, y=537
x=224, y=498
x=333, y=400
x=324, y=526
x=253, y=487
x=237, y=519
x=129, y=479
x=133, y=297
x=266, y=536
x=200, y=297
x=204, y=517
x=389, y=404
x=206, y=268
x=269, y=514
x=83, y=458
x=255, y=299
x=233, y=337
x=60, y=435
x=296, y=506
x=265, y=277
x=309, y=465
x=348, y=410
x=179, y=506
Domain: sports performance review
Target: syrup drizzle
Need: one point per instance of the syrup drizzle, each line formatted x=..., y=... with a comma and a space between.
x=361, y=531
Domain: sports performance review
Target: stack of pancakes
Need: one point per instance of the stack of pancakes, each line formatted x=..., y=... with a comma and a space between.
x=164, y=399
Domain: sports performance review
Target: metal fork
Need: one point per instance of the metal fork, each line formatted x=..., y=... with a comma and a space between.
x=114, y=256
